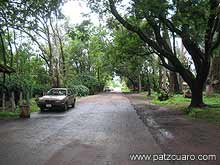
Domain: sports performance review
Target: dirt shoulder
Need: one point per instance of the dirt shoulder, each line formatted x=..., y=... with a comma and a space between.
x=175, y=132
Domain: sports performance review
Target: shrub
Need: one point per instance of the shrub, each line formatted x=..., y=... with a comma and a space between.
x=90, y=82
x=80, y=90
x=39, y=90
x=163, y=95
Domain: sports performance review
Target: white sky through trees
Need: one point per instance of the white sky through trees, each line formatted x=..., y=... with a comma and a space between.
x=74, y=10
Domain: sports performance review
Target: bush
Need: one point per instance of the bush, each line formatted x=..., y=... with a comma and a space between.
x=39, y=90
x=80, y=90
x=90, y=82
x=163, y=95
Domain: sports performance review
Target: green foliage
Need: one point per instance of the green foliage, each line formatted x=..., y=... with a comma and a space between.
x=128, y=57
x=163, y=95
x=32, y=103
x=175, y=101
x=82, y=31
x=87, y=57
x=159, y=22
x=9, y=114
x=33, y=106
x=124, y=88
x=192, y=14
x=39, y=89
x=80, y=90
x=30, y=75
x=20, y=13
x=212, y=100
x=179, y=99
x=210, y=113
x=90, y=82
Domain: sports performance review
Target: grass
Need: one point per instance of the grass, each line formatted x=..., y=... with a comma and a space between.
x=210, y=113
x=7, y=114
x=174, y=102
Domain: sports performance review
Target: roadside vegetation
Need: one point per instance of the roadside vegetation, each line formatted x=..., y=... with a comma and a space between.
x=15, y=114
x=9, y=114
x=209, y=113
x=169, y=47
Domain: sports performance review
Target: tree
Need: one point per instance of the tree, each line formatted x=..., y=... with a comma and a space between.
x=196, y=24
x=128, y=56
x=86, y=52
x=213, y=83
x=32, y=18
x=16, y=19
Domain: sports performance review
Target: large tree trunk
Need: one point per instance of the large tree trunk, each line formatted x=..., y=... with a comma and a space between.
x=200, y=58
x=98, y=74
x=13, y=106
x=139, y=83
x=197, y=95
x=173, y=84
x=173, y=81
x=148, y=84
x=57, y=80
x=28, y=98
x=154, y=81
x=213, y=86
x=180, y=80
x=197, y=86
x=3, y=102
x=160, y=81
x=20, y=97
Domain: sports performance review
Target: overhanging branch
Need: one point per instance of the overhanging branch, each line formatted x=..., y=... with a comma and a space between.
x=166, y=65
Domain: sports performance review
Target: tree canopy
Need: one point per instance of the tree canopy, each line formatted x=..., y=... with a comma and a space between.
x=196, y=23
x=150, y=44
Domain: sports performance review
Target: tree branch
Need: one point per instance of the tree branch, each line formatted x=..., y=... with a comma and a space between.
x=210, y=31
x=132, y=28
x=166, y=65
x=185, y=73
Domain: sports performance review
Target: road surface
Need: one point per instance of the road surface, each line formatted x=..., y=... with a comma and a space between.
x=101, y=130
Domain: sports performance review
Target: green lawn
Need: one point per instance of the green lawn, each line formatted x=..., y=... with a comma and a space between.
x=33, y=108
x=210, y=113
x=177, y=101
x=9, y=114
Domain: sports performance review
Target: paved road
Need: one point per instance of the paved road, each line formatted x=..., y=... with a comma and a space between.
x=101, y=130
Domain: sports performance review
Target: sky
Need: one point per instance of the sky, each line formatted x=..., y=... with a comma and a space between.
x=74, y=10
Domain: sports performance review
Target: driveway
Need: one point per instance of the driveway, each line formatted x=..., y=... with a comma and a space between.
x=101, y=130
